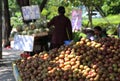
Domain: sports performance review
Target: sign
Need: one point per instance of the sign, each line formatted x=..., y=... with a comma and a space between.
x=76, y=19
x=23, y=42
x=31, y=12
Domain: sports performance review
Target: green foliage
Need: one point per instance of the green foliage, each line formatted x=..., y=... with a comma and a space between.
x=109, y=23
x=16, y=19
x=44, y=12
x=16, y=16
x=13, y=7
x=112, y=19
x=50, y=10
x=90, y=2
x=78, y=35
x=111, y=7
x=35, y=2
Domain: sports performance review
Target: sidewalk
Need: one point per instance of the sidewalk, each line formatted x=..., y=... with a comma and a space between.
x=6, y=72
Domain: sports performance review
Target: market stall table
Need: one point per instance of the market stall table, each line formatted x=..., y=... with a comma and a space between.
x=40, y=42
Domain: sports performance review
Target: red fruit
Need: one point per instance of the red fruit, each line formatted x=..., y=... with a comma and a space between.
x=8, y=47
x=65, y=77
x=21, y=55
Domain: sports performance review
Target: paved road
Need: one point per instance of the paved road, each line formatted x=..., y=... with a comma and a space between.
x=6, y=72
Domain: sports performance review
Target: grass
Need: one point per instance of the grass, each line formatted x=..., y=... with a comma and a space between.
x=110, y=23
x=111, y=19
x=115, y=18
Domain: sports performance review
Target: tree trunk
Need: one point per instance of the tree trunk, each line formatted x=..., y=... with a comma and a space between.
x=22, y=2
x=99, y=9
x=7, y=25
x=1, y=29
x=90, y=16
x=44, y=2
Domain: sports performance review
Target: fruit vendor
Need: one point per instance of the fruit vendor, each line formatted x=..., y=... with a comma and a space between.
x=99, y=33
x=89, y=33
x=62, y=28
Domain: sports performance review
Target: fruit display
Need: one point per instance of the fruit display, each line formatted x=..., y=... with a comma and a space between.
x=33, y=28
x=84, y=60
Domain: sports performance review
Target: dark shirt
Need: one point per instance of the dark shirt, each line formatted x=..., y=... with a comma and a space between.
x=102, y=35
x=62, y=24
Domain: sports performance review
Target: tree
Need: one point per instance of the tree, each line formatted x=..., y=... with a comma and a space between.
x=7, y=25
x=111, y=7
x=43, y=4
x=7, y=17
x=50, y=9
x=91, y=5
x=1, y=29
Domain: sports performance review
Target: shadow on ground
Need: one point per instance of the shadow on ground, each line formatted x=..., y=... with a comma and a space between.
x=6, y=72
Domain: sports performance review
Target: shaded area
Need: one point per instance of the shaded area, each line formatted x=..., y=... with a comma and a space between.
x=9, y=55
x=6, y=73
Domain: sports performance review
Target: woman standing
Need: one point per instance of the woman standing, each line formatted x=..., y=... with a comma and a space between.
x=62, y=30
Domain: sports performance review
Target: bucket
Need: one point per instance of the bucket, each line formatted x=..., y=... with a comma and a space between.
x=67, y=42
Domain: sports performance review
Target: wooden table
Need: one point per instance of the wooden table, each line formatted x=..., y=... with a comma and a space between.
x=41, y=42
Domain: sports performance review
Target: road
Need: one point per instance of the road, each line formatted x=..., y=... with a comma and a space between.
x=6, y=72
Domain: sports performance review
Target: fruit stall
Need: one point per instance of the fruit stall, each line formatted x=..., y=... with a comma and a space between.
x=38, y=30
x=84, y=60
